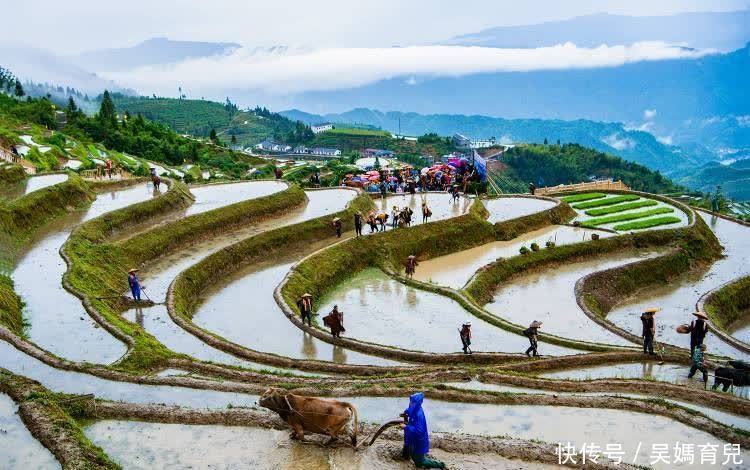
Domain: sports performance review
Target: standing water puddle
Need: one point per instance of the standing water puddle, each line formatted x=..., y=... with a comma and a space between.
x=18, y=448
x=677, y=299
x=58, y=321
x=382, y=310
x=548, y=296
x=455, y=270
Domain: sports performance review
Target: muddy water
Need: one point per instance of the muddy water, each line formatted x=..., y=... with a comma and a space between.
x=506, y=208
x=678, y=298
x=18, y=448
x=35, y=183
x=548, y=296
x=58, y=321
x=219, y=195
x=260, y=325
x=381, y=310
x=147, y=445
x=77, y=383
x=582, y=217
x=647, y=370
x=730, y=419
x=439, y=203
x=455, y=270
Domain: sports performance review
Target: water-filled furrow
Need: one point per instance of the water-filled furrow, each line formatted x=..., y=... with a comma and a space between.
x=677, y=299
x=34, y=183
x=635, y=370
x=549, y=296
x=58, y=321
x=18, y=448
x=78, y=383
x=730, y=419
x=381, y=310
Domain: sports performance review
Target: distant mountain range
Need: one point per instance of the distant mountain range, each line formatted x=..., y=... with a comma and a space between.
x=724, y=31
x=150, y=52
x=614, y=138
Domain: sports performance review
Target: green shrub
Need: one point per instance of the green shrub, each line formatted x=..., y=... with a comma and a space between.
x=523, y=250
x=641, y=224
x=610, y=201
x=535, y=246
x=550, y=244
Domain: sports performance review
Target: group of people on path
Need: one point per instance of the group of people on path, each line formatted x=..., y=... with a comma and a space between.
x=334, y=320
x=378, y=222
x=698, y=328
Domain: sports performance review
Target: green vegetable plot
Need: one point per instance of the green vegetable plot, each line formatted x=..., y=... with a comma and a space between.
x=591, y=223
x=610, y=201
x=583, y=197
x=621, y=207
x=649, y=223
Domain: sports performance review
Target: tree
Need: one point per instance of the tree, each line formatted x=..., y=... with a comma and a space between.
x=107, y=110
x=214, y=138
x=72, y=108
x=234, y=139
x=545, y=141
x=19, y=89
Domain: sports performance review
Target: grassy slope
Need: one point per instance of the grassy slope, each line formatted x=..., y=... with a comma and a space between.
x=11, y=306
x=10, y=174
x=730, y=303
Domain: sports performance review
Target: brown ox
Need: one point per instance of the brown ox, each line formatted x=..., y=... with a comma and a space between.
x=315, y=415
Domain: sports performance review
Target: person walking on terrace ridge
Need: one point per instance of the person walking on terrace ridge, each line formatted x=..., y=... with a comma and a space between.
x=532, y=332
x=305, y=308
x=411, y=266
x=135, y=284
x=649, y=330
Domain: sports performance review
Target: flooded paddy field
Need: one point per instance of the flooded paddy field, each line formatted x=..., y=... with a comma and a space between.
x=18, y=448
x=549, y=296
x=52, y=312
x=381, y=310
x=146, y=445
x=439, y=203
x=678, y=299
x=506, y=208
x=31, y=184
x=456, y=269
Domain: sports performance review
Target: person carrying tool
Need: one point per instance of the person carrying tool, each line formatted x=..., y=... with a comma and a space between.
x=698, y=330
x=411, y=266
x=649, y=330
x=426, y=212
x=465, y=334
x=531, y=332
x=135, y=284
x=335, y=321
x=699, y=363
x=305, y=308
x=416, y=437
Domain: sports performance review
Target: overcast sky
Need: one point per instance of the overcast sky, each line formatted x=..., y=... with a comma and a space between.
x=76, y=25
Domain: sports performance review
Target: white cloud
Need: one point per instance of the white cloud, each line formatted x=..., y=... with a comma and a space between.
x=666, y=139
x=614, y=141
x=649, y=114
x=294, y=71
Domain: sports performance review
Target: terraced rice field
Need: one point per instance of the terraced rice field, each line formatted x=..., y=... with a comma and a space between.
x=178, y=381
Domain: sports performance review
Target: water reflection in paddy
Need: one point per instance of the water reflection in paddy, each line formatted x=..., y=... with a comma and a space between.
x=58, y=321
x=506, y=208
x=34, y=183
x=382, y=310
x=455, y=270
x=548, y=296
x=677, y=299
x=18, y=448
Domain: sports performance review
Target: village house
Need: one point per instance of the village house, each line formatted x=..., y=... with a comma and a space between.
x=377, y=153
x=326, y=152
x=322, y=127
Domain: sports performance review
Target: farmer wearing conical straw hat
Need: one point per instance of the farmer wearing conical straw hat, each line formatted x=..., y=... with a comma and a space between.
x=649, y=330
x=698, y=330
x=411, y=266
x=532, y=332
x=305, y=308
x=135, y=284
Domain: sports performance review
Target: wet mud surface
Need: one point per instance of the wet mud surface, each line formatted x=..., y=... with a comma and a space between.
x=18, y=448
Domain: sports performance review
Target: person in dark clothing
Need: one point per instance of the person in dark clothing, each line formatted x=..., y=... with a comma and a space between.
x=465, y=334
x=532, y=332
x=411, y=265
x=416, y=436
x=305, y=308
x=698, y=363
x=455, y=195
x=335, y=321
x=426, y=212
x=358, y=223
x=698, y=330
x=278, y=173
x=135, y=284
x=383, y=190
x=649, y=330
x=532, y=188
x=337, y=226
x=412, y=186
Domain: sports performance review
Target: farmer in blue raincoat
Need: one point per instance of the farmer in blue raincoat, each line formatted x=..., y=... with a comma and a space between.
x=416, y=438
x=135, y=285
